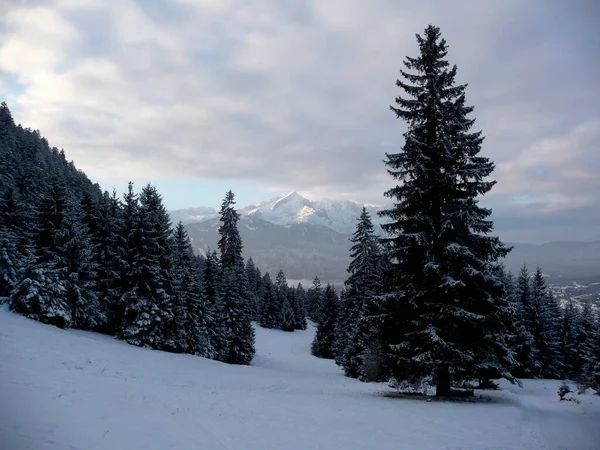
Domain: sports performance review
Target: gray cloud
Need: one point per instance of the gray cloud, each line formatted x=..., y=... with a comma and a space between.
x=295, y=95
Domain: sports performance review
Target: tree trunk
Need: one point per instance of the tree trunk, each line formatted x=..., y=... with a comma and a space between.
x=443, y=381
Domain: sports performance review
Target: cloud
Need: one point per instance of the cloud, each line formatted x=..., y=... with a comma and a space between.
x=295, y=95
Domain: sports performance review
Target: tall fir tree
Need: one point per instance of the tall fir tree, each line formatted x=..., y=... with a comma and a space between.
x=324, y=343
x=444, y=282
x=235, y=312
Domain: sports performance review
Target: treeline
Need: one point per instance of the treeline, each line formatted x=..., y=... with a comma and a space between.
x=431, y=298
x=73, y=256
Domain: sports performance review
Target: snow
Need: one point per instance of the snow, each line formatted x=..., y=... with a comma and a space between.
x=68, y=389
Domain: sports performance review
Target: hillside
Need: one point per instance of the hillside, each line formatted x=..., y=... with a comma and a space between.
x=81, y=390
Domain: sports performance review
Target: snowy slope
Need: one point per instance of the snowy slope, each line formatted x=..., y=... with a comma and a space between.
x=77, y=390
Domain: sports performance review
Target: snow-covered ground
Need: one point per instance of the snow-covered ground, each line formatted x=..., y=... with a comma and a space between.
x=77, y=390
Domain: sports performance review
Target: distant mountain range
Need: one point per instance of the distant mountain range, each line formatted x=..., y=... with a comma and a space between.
x=291, y=209
x=308, y=238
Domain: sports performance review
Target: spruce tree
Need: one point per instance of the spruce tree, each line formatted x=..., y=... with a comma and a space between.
x=235, y=312
x=444, y=284
x=324, y=343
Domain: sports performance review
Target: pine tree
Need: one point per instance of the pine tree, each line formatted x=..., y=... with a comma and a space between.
x=148, y=318
x=323, y=345
x=236, y=311
x=270, y=313
x=314, y=300
x=444, y=283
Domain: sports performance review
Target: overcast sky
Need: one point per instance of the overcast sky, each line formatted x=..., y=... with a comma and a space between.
x=266, y=96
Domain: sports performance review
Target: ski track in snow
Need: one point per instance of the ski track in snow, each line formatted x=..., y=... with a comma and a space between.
x=68, y=389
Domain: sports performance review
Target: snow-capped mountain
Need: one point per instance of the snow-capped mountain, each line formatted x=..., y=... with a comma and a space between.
x=293, y=208
x=193, y=215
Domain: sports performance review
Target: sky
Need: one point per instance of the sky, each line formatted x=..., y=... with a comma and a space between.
x=264, y=97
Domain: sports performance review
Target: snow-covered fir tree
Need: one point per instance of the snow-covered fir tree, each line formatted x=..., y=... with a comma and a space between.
x=444, y=285
x=323, y=345
x=148, y=316
x=236, y=311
